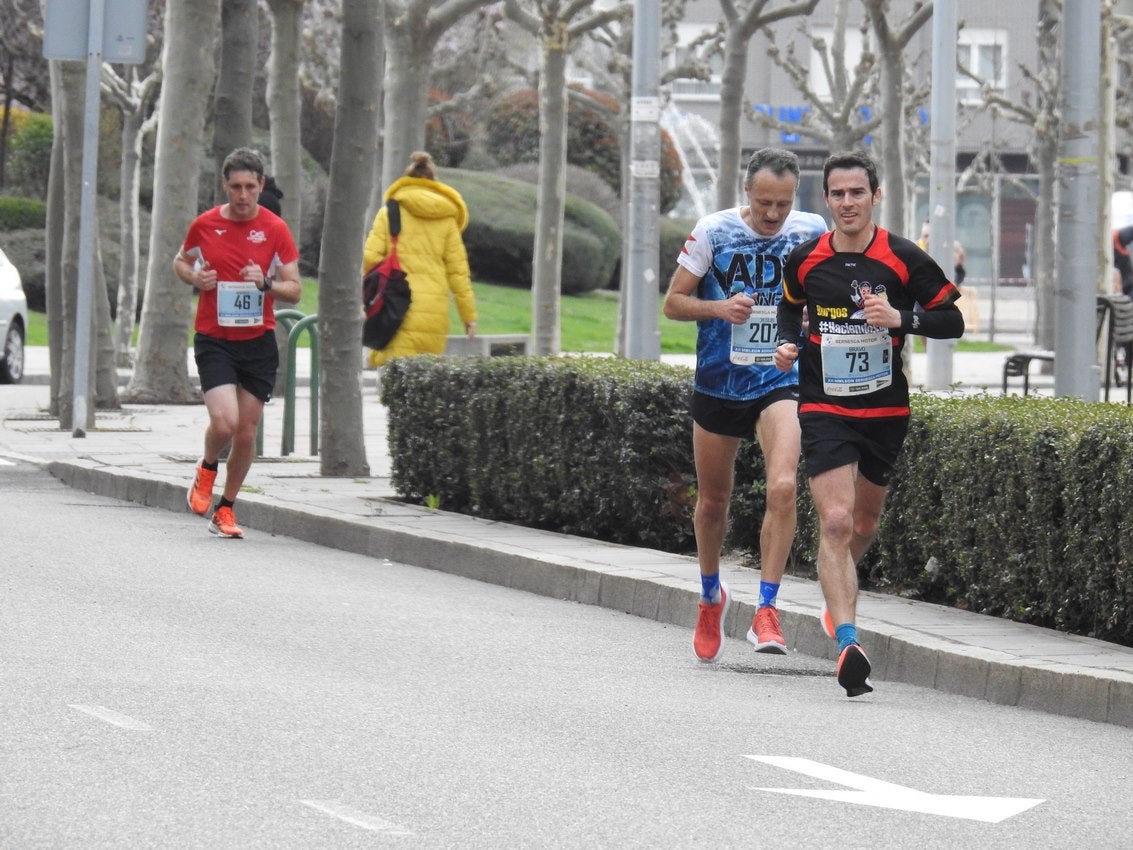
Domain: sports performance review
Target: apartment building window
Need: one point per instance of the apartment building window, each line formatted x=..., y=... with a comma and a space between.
x=687, y=89
x=984, y=53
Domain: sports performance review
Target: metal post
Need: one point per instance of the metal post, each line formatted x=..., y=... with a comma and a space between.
x=1076, y=278
x=642, y=336
x=80, y=406
x=942, y=186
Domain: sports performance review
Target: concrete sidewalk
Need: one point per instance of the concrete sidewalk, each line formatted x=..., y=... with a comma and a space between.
x=146, y=454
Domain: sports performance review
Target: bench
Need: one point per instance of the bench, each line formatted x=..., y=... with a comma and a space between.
x=1118, y=311
x=487, y=345
x=1119, y=338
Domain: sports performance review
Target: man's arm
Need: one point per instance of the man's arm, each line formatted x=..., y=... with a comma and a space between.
x=200, y=275
x=683, y=306
x=287, y=285
x=944, y=321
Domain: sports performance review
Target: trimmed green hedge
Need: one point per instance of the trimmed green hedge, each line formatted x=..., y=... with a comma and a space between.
x=21, y=213
x=1010, y=507
x=501, y=233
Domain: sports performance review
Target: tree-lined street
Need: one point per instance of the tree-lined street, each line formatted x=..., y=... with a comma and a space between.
x=164, y=688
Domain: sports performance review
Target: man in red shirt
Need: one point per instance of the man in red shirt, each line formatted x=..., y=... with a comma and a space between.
x=240, y=258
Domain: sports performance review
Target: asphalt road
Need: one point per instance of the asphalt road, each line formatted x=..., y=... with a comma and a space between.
x=163, y=688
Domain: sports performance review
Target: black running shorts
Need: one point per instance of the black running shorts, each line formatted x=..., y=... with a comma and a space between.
x=735, y=418
x=249, y=363
x=832, y=441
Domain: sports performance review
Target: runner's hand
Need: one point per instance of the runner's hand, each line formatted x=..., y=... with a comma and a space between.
x=737, y=309
x=785, y=356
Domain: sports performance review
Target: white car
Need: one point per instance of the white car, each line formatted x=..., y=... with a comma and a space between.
x=13, y=323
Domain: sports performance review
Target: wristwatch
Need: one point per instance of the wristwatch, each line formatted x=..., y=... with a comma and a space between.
x=267, y=285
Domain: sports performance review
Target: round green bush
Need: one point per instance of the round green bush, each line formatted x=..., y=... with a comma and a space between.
x=512, y=136
x=501, y=237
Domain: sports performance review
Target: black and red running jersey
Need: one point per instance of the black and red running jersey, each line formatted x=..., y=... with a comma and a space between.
x=849, y=368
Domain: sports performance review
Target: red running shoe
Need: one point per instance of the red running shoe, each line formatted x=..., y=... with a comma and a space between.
x=765, y=632
x=708, y=639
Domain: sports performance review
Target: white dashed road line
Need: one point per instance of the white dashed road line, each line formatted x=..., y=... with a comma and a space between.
x=352, y=816
x=113, y=717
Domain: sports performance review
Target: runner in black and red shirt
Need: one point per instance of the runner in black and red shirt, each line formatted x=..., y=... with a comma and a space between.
x=860, y=286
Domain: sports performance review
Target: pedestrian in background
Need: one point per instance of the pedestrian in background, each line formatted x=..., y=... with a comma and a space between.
x=240, y=260
x=432, y=254
x=729, y=281
x=1122, y=239
x=859, y=285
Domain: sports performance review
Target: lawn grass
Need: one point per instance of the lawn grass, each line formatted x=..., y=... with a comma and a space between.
x=588, y=321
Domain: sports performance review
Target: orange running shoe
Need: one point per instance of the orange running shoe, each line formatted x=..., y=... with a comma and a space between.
x=853, y=671
x=708, y=639
x=765, y=632
x=199, y=496
x=223, y=523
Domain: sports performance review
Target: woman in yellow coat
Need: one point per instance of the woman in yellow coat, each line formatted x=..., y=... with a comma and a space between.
x=431, y=251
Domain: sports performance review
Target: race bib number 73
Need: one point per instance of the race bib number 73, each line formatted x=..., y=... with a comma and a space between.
x=856, y=364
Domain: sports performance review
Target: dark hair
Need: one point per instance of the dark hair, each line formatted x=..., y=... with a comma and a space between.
x=421, y=165
x=776, y=160
x=271, y=196
x=850, y=159
x=243, y=159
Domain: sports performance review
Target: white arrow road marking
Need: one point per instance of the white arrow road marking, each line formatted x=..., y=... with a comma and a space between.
x=113, y=717
x=356, y=818
x=886, y=795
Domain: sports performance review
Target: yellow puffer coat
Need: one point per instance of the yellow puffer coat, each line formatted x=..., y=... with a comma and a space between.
x=431, y=251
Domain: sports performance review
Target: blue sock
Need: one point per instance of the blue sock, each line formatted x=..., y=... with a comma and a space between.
x=845, y=634
x=768, y=592
x=710, y=588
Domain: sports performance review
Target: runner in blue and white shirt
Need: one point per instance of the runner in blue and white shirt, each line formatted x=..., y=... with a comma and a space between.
x=729, y=281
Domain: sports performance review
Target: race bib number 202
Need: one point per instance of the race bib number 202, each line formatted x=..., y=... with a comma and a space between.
x=753, y=342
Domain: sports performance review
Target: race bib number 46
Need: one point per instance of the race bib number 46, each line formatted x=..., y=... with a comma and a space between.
x=753, y=341
x=857, y=364
x=239, y=304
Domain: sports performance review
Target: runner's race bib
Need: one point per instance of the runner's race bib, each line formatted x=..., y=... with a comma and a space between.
x=753, y=341
x=239, y=304
x=857, y=364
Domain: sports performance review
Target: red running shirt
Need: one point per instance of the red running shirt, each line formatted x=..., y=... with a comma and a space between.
x=228, y=245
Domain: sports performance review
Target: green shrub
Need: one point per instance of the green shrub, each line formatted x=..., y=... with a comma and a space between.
x=501, y=237
x=591, y=446
x=29, y=155
x=1009, y=507
x=20, y=213
x=512, y=136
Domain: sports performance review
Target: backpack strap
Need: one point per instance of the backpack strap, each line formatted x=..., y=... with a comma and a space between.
x=394, y=210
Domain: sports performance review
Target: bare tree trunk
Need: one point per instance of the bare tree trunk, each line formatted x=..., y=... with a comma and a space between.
x=891, y=43
x=130, y=174
x=741, y=21
x=53, y=259
x=546, y=272
x=232, y=128
x=411, y=31
x=406, y=83
x=161, y=373
x=1046, y=219
x=343, y=450
x=284, y=107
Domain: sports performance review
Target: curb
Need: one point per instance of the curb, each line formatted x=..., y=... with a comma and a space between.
x=619, y=577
